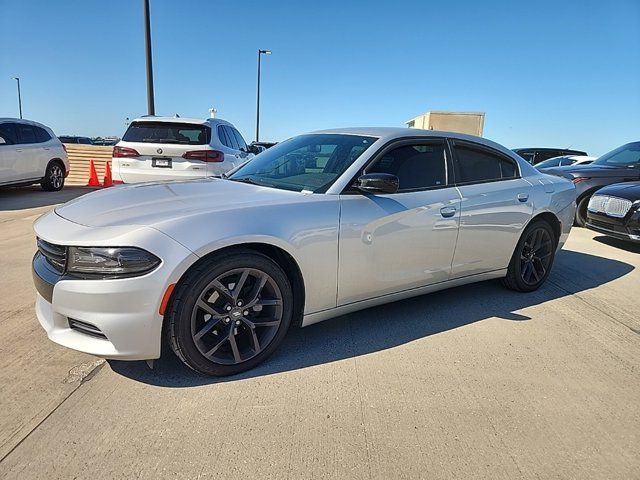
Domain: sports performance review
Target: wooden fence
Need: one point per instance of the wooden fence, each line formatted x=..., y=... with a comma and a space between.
x=79, y=157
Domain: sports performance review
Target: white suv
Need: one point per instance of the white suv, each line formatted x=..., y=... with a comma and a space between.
x=168, y=148
x=31, y=153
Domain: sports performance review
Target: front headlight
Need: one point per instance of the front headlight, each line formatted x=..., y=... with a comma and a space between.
x=112, y=261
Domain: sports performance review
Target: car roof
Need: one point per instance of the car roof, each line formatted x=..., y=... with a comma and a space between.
x=196, y=121
x=394, y=133
x=22, y=120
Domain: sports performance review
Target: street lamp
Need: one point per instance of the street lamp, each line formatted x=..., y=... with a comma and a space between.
x=260, y=52
x=17, y=79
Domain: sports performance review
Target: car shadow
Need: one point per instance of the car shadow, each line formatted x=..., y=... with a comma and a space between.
x=397, y=323
x=617, y=243
x=22, y=198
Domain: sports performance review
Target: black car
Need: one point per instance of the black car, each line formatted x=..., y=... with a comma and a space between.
x=619, y=165
x=74, y=139
x=615, y=211
x=537, y=155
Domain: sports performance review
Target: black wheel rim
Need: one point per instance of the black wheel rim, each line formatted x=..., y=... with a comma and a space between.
x=236, y=316
x=56, y=176
x=535, y=256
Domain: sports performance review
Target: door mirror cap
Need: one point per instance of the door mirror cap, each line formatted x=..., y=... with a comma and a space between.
x=377, y=183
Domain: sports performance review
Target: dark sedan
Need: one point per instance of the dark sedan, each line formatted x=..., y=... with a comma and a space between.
x=619, y=165
x=615, y=211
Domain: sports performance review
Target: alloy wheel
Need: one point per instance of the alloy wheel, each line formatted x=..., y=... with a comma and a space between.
x=56, y=176
x=536, y=256
x=236, y=316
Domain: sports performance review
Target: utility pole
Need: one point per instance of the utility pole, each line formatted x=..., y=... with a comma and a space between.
x=260, y=52
x=151, y=109
x=17, y=79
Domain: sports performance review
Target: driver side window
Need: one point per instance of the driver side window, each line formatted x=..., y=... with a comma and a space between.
x=418, y=166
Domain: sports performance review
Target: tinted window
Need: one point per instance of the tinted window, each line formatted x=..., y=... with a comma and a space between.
x=64, y=139
x=233, y=143
x=416, y=166
x=41, y=134
x=528, y=156
x=26, y=134
x=241, y=143
x=85, y=141
x=167, y=132
x=479, y=165
x=8, y=132
x=222, y=134
x=567, y=161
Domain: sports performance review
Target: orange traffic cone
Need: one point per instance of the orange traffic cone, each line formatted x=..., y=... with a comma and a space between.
x=108, y=181
x=93, y=176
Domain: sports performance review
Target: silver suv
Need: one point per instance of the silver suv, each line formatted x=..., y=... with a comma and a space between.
x=31, y=153
x=173, y=148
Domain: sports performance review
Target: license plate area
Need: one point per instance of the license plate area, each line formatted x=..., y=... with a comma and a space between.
x=161, y=162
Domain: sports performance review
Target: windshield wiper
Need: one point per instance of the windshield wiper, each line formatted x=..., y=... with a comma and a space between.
x=250, y=181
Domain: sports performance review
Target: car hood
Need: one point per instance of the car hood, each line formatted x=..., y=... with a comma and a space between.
x=149, y=204
x=591, y=170
x=628, y=190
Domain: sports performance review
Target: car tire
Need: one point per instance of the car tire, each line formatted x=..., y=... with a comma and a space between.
x=229, y=313
x=532, y=259
x=581, y=212
x=53, y=179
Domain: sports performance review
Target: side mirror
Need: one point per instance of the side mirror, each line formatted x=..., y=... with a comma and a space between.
x=377, y=183
x=2, y=141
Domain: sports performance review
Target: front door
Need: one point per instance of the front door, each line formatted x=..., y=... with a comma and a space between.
x=394, y=242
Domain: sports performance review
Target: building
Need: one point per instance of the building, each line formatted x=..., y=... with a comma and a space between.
x=471, y=123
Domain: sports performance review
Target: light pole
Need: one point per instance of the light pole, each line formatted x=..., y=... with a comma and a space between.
x=260, y=52
x=17, y=79
x=151, y=109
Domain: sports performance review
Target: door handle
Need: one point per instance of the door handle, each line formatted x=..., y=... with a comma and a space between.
x=523, y=197
x=448, y=212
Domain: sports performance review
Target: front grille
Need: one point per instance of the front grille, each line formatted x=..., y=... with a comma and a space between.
x=56, y=255
x=611, y=206
x=86, y=328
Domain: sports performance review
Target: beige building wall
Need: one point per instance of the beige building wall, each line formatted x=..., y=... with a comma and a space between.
x=471, y=123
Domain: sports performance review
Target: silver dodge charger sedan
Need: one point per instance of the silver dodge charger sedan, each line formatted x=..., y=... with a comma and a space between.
x=317, y=226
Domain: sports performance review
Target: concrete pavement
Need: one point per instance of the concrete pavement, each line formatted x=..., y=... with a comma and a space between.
x=474, y=382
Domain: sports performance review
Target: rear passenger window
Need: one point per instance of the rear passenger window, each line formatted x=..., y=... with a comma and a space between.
x=224, y=138
x=242, y=145
x=479, y=165
x=41, y=135
x=416, y=166
x=233, y=142
x=26, y=134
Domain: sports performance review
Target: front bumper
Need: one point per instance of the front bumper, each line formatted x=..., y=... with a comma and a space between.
x=627, y=228
x=125, y=311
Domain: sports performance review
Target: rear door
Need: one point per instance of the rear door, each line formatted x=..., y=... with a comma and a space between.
x=161, y=146
x=496, y=205
x=30, y=153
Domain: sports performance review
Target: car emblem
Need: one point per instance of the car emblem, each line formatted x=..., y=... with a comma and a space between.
x=235, y=314
x=159, y=150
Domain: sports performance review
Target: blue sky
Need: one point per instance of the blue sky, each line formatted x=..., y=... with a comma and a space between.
x=547, y=73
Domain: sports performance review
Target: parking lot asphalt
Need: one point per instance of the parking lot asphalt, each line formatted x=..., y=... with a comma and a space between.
x=473, y=382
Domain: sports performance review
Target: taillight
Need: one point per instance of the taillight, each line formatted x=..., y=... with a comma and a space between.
x=124, y=152
x=64, y=148
x=580, y=179
x=204, y=155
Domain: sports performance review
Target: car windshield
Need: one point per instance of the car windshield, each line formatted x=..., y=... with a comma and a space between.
x=307, y=162
x=168, y=132
x=625, y=156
